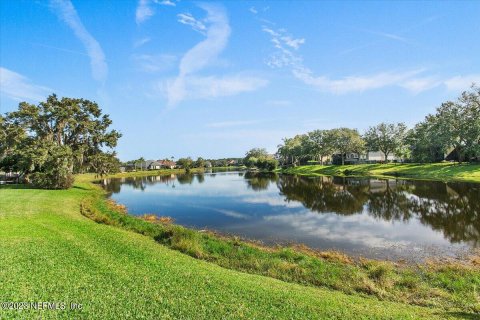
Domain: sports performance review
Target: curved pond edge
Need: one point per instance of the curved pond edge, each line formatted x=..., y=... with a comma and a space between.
x=450, y=284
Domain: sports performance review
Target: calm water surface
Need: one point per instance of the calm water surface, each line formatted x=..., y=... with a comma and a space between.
x=396, y=219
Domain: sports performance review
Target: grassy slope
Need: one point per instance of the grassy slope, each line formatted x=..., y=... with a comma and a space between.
x=52, y=253
x=434, y=171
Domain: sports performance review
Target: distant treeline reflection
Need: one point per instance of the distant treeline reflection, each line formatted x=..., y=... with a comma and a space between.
x=452, y=208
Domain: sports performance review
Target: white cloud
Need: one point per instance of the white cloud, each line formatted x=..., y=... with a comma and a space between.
x=460, y=83
x=188, y=19
x=189, y=86
x=145, y=11
x=253, y=10
x=417, y=85
x=166, y=3
x=65, y=10
x=281, y=38
x=18, y=87
x=227, y=124
x=154, y=63
x=414, y=81
x=354, y=83
x=141, y=42
x=195, y=87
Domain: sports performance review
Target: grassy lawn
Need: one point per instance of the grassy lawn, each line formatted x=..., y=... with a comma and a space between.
x=51, y=252
x=432, y=171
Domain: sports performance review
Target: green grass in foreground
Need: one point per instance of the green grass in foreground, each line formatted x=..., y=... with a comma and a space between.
x=50, y=252
x=432, y=171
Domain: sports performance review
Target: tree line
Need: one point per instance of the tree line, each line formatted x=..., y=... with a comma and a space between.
x=454, y=128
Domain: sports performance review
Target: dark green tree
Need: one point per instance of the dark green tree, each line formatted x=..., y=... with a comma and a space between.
x=386, y=137
x=57, y=138
x=345, y=140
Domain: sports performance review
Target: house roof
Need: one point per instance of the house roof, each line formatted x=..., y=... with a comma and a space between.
x=166, y=163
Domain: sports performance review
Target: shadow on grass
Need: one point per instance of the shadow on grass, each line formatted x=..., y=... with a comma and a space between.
x=464, y=315
x=15, y=186
x=81, y=188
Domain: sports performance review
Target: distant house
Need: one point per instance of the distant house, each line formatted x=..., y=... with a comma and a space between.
x=167, y=164
x=369, y=157
x=208, y=164
x=378, y=156
x=231, y=162
x=149, y=165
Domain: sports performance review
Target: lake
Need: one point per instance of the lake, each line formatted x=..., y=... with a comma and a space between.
x=374, y=218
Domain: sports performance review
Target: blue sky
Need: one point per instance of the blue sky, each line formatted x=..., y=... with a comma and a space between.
x=215, y=79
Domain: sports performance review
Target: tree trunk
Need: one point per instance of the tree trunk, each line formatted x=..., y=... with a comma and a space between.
x=321, y=160
x=343, y=159
x=386, y=157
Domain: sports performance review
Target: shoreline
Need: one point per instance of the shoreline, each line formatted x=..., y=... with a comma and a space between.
x=300, y=264
x=446, y=172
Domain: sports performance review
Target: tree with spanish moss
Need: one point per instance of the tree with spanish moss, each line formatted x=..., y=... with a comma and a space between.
x=48, y=143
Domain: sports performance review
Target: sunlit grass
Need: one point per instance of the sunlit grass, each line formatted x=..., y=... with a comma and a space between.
x=50, y=252
x=433, y=171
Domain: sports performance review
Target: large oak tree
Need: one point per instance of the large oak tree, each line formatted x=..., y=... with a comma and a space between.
x=51, y=141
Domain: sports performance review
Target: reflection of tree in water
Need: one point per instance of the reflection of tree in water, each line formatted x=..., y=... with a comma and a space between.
x=259, y=181
x=185, y=178
x=455, y=211
x=140, y=183
x=200, y=177
x=388, y=200
x=325, y=194
x=453, y=208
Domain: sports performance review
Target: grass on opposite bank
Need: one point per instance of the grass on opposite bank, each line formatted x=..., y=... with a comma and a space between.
x=50, y=252
x=445, y=171
x=143, y=173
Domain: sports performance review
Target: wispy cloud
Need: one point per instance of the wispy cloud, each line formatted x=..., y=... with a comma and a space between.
x=253, y=10
x=459, y=83
x=420, y=84
x=141, y=42
x=145, y=10
x=287, y=55
x=19, y=87
x=227, y=124
x=187, y=85
x=66, y=11
x=196, y=87
x=167, y=3
x=354, y=83
x=188, y=19
x=154, y=63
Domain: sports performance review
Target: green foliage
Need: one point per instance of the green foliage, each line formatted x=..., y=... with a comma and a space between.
x=267, y=164
x=51, y=141
x=200, y=163
x=260, y=159
x=386, y=137
x=345, y=140
x=185, y=163
x=454, y=126
x=257, y=153
x=55, y=171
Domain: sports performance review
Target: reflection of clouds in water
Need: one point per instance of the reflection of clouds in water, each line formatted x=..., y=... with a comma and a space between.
x=233, y=214
x=357, y=229
x=228, y=213
x=272, y=201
